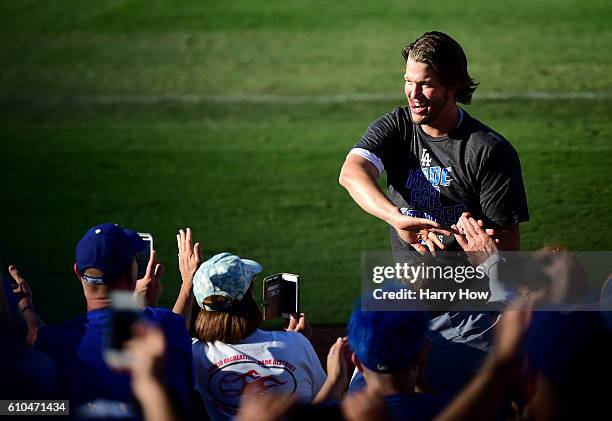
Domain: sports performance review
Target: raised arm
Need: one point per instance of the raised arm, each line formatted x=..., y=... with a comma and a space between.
x=338, y=375
x=358, y=176
x=190, y=258
x=24, y=293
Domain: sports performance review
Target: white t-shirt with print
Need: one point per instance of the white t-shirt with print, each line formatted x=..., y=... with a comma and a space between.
x=276, y=361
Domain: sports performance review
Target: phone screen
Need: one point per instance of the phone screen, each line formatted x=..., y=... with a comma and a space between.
x=121, y=327
x=142, y=258
x=281, y=292
x=289, y=297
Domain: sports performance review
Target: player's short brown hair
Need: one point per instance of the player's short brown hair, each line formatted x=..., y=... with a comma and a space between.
x=447, y=58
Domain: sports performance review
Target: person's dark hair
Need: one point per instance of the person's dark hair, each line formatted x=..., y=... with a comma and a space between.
x=447, y=58
x=230, y=325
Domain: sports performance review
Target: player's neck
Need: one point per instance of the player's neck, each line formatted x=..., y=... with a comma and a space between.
x=97, y=303
x=388, y=384
x=447, y=121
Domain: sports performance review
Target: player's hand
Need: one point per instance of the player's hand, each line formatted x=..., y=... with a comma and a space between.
x=403, y=222
x=431, y=240
x=415, y=231
x=424, y=241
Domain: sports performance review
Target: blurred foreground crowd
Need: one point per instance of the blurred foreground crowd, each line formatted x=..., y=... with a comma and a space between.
x=207, y=358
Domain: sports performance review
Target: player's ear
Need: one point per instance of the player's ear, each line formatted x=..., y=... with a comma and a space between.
x=357, y=363
x=76, y=272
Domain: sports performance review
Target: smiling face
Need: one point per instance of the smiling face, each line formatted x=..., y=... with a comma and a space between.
x=429, y=100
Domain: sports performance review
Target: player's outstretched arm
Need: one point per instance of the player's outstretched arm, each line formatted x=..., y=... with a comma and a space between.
x=358, y=176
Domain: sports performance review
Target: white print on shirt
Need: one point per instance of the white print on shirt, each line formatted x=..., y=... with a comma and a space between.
x=425, y=159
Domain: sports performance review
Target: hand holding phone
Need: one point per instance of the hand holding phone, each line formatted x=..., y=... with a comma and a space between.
x=281, y=294
x=150, y=272
x=299, y=323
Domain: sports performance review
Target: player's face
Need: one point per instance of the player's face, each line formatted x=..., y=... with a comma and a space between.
x=426, y=95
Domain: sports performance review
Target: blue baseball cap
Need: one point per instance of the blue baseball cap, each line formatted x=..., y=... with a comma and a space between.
x=108, y=248
x=225, y=275
x=387, y=341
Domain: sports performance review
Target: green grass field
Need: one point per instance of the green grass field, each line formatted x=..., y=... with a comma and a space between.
x=259, y=178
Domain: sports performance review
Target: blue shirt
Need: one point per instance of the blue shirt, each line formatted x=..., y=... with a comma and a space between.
x=76, y=347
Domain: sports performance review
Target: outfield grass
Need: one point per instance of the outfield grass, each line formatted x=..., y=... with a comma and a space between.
x=260, y=180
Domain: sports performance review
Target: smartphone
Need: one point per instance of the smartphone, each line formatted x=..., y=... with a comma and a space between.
x=290, y=302
x=142, y=258
x=281, y=294
x=125, y=312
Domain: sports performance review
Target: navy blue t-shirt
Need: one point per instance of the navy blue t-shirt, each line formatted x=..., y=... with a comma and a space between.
x=83, y=375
